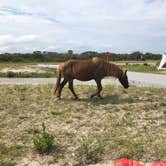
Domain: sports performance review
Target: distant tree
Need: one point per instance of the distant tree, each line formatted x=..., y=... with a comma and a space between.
x=39, y=56
x=136, y=55
x=70, y=54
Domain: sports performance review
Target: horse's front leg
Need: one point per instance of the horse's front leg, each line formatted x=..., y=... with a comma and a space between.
x=72, y=89
x=99, y=89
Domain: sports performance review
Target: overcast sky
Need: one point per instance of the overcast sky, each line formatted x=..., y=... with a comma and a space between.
x=83, y=25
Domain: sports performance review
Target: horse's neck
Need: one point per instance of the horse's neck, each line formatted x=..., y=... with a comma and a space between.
x=113, y=70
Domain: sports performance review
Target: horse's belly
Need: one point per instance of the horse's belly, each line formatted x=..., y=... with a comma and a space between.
x=84, y=77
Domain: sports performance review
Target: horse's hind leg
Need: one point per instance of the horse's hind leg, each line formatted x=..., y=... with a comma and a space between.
x=72, y=89
x=99, y=89
x=61, y=87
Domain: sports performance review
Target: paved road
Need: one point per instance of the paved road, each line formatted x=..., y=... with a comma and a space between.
x=139, y=79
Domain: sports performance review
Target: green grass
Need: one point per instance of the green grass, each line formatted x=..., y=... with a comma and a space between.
x=28, y=74
x=149, y=66
x=126, y=123
x=142, y=68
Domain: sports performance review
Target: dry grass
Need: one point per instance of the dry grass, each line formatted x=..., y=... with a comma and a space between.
x=126, y=123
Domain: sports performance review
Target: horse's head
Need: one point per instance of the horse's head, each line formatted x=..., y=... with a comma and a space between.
x=124, y=79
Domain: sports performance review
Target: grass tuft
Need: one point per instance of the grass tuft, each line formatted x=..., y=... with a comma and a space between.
x=90, y=151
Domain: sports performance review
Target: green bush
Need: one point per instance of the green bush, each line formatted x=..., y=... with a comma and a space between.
x=90, y=151
x=28, y=75
x=43, y=141
x=10, y=74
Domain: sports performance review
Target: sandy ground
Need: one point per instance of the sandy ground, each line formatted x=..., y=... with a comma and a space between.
x=22, y=69
x=135, y=78
x=30, y=161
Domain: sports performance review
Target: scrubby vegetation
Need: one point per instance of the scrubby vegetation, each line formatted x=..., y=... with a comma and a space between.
x=126, y=123
x=38, y=56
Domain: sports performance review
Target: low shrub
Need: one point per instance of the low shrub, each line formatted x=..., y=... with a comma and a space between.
x=43, y=141
x=10, y=74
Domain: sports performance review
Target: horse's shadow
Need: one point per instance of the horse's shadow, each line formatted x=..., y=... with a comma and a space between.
x=113, y=99
x=108, y=99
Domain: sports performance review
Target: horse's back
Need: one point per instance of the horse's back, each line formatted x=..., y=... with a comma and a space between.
x=83, y=70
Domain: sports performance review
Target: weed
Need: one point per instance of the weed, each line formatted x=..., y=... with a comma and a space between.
x=43, y=142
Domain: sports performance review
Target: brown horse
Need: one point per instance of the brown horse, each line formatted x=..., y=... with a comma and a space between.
x=86, y=70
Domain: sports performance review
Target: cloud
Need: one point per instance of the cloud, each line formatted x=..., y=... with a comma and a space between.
x=3, y=48
x=108, y=25
x=10, y=39
x=17, y=43
x=7, y=11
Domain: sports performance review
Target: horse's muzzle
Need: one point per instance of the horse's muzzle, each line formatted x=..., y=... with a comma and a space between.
x=126, y=87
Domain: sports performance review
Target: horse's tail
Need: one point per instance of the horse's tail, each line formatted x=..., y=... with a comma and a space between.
x=57, y=81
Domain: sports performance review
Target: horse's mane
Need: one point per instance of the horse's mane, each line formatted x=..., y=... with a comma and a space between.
x=114, y=70
x=110, y=68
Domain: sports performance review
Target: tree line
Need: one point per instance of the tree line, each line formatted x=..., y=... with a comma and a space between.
x=38, y=56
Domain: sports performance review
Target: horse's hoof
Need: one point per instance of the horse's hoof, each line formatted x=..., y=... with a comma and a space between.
x=76, y=98
x=92, y=96
x=100, y=97
x=58, y=97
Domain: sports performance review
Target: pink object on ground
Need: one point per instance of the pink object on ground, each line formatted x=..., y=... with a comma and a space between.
x=158, y=164
x=127, y=162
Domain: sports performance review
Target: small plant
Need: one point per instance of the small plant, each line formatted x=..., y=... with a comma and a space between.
x=43, y=141
x=90, y=151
